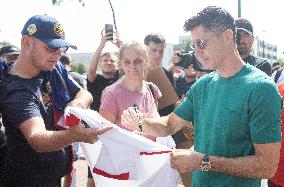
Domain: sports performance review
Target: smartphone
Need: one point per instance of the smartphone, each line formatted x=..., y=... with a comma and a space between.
x=109, y=29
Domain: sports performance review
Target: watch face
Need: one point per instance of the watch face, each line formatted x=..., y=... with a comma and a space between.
x=205, y=166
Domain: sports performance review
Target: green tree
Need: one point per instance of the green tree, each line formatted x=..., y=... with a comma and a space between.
x=79, y=67
x=4, y=43
x=187, y=45
x=281, y=62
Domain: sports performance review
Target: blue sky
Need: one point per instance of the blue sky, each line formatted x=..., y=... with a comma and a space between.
x=135, y=18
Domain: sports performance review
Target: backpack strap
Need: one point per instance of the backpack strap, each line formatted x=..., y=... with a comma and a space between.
x=277, y=75
x=150, y=86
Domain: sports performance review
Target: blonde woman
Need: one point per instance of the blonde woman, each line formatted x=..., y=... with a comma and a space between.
x=132, y=90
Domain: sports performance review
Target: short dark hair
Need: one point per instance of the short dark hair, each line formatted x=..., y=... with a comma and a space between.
x=155, y=38
x=9, y=50
x=213, y=19
x=65, y=59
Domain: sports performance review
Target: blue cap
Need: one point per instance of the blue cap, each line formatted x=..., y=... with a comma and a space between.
x=48, y=30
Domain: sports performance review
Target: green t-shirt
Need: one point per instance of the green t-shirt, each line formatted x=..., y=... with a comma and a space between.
x=230, y=115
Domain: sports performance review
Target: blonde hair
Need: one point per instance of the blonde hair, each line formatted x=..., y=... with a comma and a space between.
x=141, y=48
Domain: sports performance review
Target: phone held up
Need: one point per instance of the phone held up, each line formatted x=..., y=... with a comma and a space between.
x=109, y=29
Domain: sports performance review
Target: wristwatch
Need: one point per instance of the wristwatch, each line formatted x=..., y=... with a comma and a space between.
x=205, y=163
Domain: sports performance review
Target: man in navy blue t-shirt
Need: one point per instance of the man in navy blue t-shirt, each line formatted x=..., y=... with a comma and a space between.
x=34, y=91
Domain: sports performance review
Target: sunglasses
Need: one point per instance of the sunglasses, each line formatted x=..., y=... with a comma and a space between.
x=55, y=49
x=199, y=43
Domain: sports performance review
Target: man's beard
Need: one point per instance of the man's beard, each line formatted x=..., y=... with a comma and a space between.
x=109, y=72
x=243, y=50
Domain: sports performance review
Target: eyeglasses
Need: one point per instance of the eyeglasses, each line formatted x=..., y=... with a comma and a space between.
x=55, y=49
x=199, y=43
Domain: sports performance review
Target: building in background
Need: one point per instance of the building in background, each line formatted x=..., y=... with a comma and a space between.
x=183, y=42
x=169, y=50
x=265, y=49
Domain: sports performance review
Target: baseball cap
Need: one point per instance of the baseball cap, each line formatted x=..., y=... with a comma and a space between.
x=48, y=30
x=9, y=50
x=245, y=25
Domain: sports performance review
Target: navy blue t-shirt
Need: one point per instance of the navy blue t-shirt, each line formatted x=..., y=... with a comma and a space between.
x=20, y=100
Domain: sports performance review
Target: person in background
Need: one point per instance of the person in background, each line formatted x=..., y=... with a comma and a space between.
x=9, y=53
x=235, y=110
x=108, y=63
x=183, y=83
x=157, y=43
x=37, y=85
x=96, y=83
x=245, y=39
x=67, y=62
x=275, y=66
x=278, y=74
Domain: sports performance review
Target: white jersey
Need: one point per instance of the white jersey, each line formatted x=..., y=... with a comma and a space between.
x=123, y=158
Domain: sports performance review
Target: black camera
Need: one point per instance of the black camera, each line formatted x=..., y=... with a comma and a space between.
x=188, y=58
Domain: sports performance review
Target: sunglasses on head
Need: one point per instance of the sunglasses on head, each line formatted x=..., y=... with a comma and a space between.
x=199, y=43
x=55, y=49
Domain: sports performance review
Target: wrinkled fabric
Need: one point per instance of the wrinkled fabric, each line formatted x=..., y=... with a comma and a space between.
x=123, y=158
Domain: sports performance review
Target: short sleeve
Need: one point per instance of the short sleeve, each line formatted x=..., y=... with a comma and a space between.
x=20, y=106
x=185, y=109
x=90, y=85
x=157, y=93
x=108, y=101
x=264, y=113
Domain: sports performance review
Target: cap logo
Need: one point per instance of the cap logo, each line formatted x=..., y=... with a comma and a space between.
x=242, y=21
x=58, y=29
x=31, y=29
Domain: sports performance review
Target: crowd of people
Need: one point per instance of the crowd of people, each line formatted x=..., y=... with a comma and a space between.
x=226, y=125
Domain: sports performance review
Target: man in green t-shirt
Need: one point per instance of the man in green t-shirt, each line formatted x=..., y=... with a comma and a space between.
x=235, y=111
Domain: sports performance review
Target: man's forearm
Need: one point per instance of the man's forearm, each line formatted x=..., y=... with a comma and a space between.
x=255, y=166
x=83, y=99
x=48, y=141
x=163, y=126
x=92, y=72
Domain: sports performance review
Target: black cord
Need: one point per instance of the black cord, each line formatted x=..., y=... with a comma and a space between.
x=113, y=16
